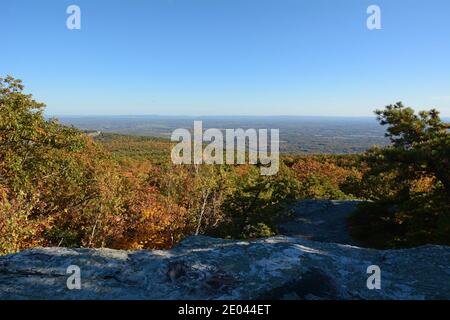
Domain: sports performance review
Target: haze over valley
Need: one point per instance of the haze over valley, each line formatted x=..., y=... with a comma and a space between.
x=297, y=134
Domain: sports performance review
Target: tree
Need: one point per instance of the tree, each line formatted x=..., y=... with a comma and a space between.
x=420, y=144
x=54, y=175
x=256, y=202
x=409, y=182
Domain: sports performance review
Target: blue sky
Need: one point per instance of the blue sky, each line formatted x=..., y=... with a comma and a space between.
x=229, y=57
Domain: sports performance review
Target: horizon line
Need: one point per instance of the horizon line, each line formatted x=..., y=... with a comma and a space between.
x=205, y=115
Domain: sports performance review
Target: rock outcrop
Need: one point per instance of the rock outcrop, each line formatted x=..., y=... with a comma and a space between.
x=320, y=220
x=283, y=267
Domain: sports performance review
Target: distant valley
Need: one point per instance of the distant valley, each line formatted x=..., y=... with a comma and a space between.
x=310, y=135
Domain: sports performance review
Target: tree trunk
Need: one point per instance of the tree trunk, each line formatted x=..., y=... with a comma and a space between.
x=205, y=199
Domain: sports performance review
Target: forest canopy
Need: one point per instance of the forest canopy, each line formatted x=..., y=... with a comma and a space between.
x=61, y=187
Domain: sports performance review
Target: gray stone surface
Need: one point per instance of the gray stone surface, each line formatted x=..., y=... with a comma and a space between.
x=280, y=267
x=320, y=220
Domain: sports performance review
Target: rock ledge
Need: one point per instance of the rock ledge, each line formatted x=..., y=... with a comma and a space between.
x=207, y=268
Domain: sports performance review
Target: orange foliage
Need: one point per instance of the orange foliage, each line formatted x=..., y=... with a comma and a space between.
x=156, y=223
x=308, y=166
x=424, y=184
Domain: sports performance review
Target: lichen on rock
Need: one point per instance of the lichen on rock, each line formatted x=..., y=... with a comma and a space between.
x=206, y=268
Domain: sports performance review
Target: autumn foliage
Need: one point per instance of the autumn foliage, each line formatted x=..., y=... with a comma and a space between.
x=59, y=187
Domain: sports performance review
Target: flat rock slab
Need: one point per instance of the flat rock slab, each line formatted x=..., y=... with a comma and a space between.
x=320, y=220
x=207, y=268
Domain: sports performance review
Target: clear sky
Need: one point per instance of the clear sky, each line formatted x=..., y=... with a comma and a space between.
x=226, y=57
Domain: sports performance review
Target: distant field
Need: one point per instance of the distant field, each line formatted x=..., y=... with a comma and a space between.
x=309, y=135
